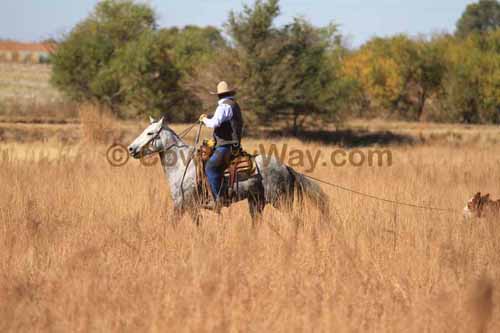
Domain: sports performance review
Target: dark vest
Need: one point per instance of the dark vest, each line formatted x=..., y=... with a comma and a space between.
x=229, y=132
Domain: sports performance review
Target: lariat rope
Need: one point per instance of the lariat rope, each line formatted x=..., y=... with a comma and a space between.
x=400, y=203
x=187, y=130
x=191, y=152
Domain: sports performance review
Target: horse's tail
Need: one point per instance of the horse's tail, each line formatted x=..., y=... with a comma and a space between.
x=311, y=190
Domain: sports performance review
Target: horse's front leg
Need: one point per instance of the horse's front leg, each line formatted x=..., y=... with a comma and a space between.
x=188, y=203
x=179, y=212
x=177, y=215
x=195, y=214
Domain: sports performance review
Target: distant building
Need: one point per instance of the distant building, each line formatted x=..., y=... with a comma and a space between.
x=25, y=52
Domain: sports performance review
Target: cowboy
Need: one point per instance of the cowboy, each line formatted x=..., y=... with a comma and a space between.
x=227, y=123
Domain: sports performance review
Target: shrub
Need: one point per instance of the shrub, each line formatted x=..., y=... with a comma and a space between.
x=81, y=62
x=149, y=80
x=283, y=73
x=471, y=91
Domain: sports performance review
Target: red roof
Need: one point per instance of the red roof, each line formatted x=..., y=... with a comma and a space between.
x=28, y=47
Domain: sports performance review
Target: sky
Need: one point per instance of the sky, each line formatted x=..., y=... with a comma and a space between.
x=359, y=20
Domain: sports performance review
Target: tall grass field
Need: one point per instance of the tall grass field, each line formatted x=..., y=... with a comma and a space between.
x=86, y=246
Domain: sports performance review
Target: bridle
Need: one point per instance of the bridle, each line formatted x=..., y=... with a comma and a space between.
x=165, y=149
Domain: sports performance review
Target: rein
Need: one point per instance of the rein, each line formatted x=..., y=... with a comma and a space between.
x=196, y=141
x=180, y=136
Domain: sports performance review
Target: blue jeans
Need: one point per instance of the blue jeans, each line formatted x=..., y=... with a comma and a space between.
x=215, y=166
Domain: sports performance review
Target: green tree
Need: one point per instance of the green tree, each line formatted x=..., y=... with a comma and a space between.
x=430, y=74
x=310, y=86
x=81, y=63
x=193, y=46
x=284, y=73
x=118, y=57
x=471, y=90
x=253, y=27
x=257, y=53
x=479, y=17
x=151, y=84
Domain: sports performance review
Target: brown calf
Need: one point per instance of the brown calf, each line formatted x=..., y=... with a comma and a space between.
x=482, y=206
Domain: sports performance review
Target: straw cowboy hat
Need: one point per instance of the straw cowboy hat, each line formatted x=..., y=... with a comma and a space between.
x=223, y=88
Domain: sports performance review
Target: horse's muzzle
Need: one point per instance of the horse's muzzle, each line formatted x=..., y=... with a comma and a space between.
x=133, y=152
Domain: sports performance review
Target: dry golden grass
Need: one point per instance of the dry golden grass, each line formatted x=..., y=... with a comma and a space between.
x=97, y=124
x=27, y=96
x=21, y=81
x=88, y=247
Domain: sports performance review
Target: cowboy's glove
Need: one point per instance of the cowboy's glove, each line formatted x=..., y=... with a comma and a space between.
x=202, y=117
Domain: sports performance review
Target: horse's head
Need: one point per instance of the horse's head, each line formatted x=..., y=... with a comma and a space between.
x=152, y=140
x=471, y=208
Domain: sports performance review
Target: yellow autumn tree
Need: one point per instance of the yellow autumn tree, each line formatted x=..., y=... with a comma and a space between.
x=471, y=91
x=397, y=74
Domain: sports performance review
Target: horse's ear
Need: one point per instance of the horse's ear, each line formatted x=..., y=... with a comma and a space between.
x=163, y=121
x=151, y=119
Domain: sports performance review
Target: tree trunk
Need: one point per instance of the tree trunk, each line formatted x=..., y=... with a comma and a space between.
x=295, y=128
x=421, y=104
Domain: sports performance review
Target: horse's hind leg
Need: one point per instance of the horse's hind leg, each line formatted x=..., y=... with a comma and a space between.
x=256, y=206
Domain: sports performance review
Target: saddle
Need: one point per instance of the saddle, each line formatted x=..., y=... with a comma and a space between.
x=240, y=167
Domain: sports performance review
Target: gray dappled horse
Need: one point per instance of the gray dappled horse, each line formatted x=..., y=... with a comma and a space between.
x=274, y=182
